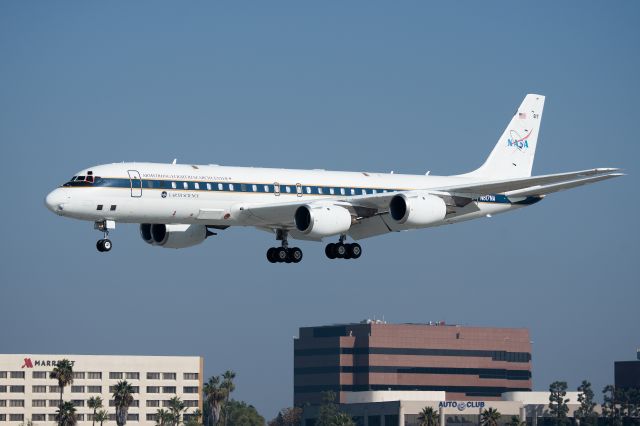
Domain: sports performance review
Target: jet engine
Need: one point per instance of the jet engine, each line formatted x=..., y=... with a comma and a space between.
x=173, y=236
x=417, y=210
x=322, y=220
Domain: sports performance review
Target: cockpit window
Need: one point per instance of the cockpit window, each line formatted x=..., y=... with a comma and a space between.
x=84, y=180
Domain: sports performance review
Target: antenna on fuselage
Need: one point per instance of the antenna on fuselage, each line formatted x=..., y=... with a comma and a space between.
x=174, y=161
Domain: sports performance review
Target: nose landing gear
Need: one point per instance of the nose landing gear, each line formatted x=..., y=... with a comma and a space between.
x=104, y=244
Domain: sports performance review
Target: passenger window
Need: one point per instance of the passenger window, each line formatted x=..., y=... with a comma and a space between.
x=353, y=191
x=342, y=191
x=230, y=187
x=185, y=185
x=308, y=190
x=243, y=187
x=208, y=187
x=266, y=188
x=331, y=191
x=288, y=189
x=99, y=207
x=173, y=185
x=319, y=190
x=196, y=185
x=113, y=207
x=220, y=187
x=254, y=188
x=373, y=191
x=364, y=191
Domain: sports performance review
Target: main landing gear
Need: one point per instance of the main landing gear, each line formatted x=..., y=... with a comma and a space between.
x=104, y=244
x=284, y=254
x=340, y=250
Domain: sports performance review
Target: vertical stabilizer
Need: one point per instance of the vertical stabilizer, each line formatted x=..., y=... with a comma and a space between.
x=512, y=157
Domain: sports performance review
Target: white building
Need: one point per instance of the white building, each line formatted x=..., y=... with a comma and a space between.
x=27, y=392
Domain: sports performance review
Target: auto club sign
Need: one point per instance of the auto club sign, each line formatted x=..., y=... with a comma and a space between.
x=30, y=363
x=462, y=405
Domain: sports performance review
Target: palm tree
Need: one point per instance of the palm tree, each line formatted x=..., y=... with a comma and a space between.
x=215, y=395
x=123, y=398
x=94, y=402
x=428, y=417
x=163, y=417
x=227, y=383
x=490, y=417
x=66, y=414
x=101, y=416
x=176, y=407
x=63, y=373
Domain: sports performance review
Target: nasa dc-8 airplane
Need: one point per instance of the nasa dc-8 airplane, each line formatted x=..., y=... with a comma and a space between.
x=180, y=206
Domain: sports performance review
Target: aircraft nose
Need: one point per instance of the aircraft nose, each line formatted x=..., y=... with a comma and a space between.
x=55, y=201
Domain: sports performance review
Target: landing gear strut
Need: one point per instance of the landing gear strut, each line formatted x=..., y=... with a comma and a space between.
x=284, y=254
x=340, y=250
x=104, y=244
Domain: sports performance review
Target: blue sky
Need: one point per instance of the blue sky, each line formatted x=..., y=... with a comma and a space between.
x=378, y=86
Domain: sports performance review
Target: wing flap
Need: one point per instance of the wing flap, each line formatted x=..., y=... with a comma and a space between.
x=548, y=189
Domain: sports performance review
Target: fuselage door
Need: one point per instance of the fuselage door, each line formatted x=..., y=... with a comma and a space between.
x=136, y=183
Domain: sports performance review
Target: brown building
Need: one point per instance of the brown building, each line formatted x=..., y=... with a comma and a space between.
x=468, y=363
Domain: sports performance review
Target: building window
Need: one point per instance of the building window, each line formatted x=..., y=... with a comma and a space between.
x=136, y=389
x=151, y=417
x=190, y=376
x=166, y=403
x=38, y=417
x=190, y=389
x=112, y=417
x=153, y=389
x=3, y=388
x=191, y=403
x=132, y=417
x=3, y=374
x=54, y=403
x=80, y=417
x=153, y=376
x=16, y=403
x=112, y=403
x=39, y=403
x=17, y=374
x=78, y=402
x=54, y=389
x=169, y=376
x=3, y=417
x=39, y=375
x=133, y=376
x=78, y=374
x=153, y=403
x=94, y=389
x=3, y=402
x=94, y=375
x=115, y=376
x=16, y=417
x=16, y=389
x=168, y=389
x=39, y=389
x=77, y=389
x=52, y=418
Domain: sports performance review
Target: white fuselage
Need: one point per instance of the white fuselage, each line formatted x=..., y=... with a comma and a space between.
x=215, y=195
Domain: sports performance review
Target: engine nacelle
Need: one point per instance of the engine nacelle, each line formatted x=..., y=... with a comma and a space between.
x=322, y=220
x=173, y=236
x=417, y=211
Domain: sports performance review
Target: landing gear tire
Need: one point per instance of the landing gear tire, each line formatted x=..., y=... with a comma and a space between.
x=281, y=254
x=330, y=250
x=355, y=251
x=271, y=255
x=341, y=251
x=295, y=254
x=104, y=245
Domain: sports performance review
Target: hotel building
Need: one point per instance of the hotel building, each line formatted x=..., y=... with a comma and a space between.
x=27, y=392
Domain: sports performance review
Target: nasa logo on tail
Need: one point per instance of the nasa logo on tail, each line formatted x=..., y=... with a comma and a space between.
x=517, y=141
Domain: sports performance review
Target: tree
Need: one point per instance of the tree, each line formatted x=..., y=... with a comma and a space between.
x=291, y=416
x=227, y=383
x=610, y=408
x=101, y=416
x=558, y=407
x=123, y=398
x=63, y=373
x=163, y=417
x=239, y=413
x=95, y=402
x=585, y=412
x=176, y=407
x=194, y=418
x=215, y=395
x=66, y=414
x=516, y=421
x=428, y=417
x=330, y=414
x=489, y=417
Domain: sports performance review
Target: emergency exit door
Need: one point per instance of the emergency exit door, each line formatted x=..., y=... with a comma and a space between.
x=136, y=183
